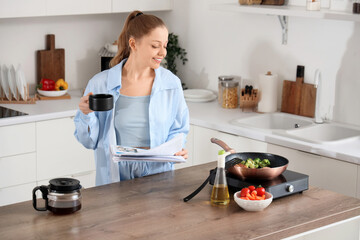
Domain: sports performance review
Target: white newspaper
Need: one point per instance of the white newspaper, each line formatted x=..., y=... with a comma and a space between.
x=163, y=153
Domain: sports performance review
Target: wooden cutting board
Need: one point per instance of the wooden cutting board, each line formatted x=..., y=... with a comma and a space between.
x=51, y=61
x=298, y=98
x=308, y=100
x=291, y=96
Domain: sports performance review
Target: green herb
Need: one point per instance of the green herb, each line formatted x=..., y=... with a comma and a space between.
x=174, y=51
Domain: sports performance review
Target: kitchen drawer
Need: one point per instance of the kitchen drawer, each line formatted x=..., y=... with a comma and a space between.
x=17, y=139
x=327, y=173
x=87, y=179
x=16, y=170
x=16, y=194
x=58, y=151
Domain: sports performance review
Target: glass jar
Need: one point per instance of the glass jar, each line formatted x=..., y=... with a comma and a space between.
x=356, y=6
x=230, y=94
x=222, y=79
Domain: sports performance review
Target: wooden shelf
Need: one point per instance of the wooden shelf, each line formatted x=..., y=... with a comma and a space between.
x=286, y=10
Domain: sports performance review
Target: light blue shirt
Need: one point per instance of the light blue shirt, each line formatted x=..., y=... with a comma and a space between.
x=168, y=116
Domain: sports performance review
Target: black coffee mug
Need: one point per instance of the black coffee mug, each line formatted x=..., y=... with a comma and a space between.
x=101, y=102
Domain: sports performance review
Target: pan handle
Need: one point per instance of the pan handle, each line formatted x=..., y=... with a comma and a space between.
x=222, y=144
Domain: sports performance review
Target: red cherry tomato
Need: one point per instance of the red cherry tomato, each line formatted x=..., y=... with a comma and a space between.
x=251, y=188
x=260, y=191
x=244, y=192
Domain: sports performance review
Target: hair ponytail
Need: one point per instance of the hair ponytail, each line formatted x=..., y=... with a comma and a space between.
x=137, y=25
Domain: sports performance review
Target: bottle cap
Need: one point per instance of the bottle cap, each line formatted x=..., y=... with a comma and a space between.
x=221, y=158
x=221, y=152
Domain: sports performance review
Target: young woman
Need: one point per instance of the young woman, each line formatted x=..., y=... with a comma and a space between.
x=149, y=106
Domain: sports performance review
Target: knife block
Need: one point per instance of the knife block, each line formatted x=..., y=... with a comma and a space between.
x=249, y=2
x=249, y=101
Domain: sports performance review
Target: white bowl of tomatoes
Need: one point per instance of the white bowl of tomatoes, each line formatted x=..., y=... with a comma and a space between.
x=253, y=199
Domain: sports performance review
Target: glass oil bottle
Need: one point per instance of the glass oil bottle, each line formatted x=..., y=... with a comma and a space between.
x=220, y=191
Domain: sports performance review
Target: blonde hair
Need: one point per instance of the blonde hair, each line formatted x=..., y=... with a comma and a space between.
x=137, y=25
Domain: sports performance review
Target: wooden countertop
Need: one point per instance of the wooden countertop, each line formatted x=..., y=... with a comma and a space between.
x=152, y=208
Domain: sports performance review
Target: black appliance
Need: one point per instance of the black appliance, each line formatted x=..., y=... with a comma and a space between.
x=7, y=112
x=288, y=183
x=106, y=57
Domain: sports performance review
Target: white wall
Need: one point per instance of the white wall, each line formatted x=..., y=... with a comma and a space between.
x=221, y=43
x=80, y=36
x=217, y=43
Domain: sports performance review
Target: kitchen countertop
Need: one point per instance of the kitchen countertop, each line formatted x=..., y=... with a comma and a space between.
x=208, y=115
x=152, y=208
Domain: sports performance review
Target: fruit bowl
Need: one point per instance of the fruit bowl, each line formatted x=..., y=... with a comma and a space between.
x=253, y=205
x=52, y=93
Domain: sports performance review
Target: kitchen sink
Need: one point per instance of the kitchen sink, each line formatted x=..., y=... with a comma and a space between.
x=299, y=128
x=326, y=132
x=274, y=121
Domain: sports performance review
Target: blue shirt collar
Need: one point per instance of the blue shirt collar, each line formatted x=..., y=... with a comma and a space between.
x=161, y=81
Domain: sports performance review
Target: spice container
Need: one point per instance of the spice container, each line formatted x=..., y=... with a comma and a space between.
x=222, y=79
x=230, y=94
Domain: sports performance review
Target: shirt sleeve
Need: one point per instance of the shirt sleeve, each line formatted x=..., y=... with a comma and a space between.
x=87, y=126
x=181, y=122
x=86, y=129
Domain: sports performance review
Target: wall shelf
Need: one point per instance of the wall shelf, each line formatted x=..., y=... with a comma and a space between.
x=285, y=11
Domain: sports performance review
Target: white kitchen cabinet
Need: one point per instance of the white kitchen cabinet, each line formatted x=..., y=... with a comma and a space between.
x=190, y=148
x=58, y=151
x=22, y=8
x=87, y=179
x=17, y=139
x=17, y=170
x=17, y=162
x=16, y=194
x=327, y=173
x=142, y=5
x=205, y=151
x=70, y=7
x=17, y=178
x=37, y=8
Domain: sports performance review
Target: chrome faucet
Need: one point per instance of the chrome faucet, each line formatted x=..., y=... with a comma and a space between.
x=318, y=118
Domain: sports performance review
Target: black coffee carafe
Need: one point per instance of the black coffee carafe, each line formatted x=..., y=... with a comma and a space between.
x=62, y=196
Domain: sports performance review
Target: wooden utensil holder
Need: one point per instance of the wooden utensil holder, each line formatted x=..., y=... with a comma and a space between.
x=16, y=99
x=247, y=100
x=249, y=2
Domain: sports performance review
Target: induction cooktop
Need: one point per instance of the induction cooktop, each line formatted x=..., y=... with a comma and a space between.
x=288, y=183
x=7, y=112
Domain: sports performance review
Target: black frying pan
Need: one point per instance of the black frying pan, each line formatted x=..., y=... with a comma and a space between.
x=278, y=164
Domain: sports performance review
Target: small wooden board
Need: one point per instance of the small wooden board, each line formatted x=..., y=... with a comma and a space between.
x=308, y=99
x=291, y=96
x=41, y=97
x=51, y=61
